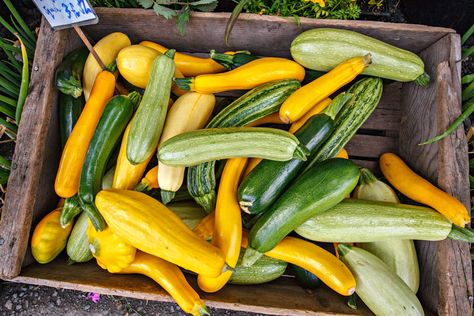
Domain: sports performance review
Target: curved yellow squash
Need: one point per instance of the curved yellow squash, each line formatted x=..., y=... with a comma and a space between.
x=171, y=278
x=107, y=48
x=245, y=77
x=189, y=65
x=49, y=238
x=306, y=97
x=228, y=223
x=405, y=180
x=148, y=225
x=111, y=252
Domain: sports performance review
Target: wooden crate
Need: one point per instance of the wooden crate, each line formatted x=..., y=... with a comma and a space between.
x=406, y=115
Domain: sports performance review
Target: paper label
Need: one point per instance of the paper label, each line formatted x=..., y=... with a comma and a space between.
x=67, y=13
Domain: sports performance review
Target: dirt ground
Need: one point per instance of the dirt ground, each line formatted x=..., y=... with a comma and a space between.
x=27, y=300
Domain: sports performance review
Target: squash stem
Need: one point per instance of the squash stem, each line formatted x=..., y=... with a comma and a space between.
x=336, y=105
x=170, y=53
x=344, y=249
x=184, y=83
x=250, y=257
x=70, y=86
x=232, y=61
x=366, y=177
x=461, y=234
x=142, y=186
x=301, y=152
x=203, y=311
x=167, y=196
x=423, y=80
x=135, y=98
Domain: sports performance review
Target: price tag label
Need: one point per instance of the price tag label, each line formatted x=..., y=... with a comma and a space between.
x=67, y=13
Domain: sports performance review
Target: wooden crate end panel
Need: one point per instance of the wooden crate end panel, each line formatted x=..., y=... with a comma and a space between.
x=28, y=157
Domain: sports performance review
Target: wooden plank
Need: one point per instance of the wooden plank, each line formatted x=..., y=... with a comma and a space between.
x=281, y=297
x=263, y=35
x=441, y=163
x=28, y=159
x=372, y=165
x=371, y=146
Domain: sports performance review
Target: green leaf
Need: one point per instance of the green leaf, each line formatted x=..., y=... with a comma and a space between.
x=233, y=18
x=205, y=7
x=182, y=19
x=165, y=2
x=165, y=12
x=146, y=3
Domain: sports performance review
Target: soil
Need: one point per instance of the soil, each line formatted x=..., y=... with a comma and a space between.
x=29, y=300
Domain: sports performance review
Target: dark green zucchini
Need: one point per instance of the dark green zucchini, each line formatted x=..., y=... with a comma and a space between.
x=305, y=278
x=232, y=61
x=255, y=104
x=270, y=178
x=320, y=188
x=70, y=109
x=266, y=269
x=69, y=72
x=115, y=118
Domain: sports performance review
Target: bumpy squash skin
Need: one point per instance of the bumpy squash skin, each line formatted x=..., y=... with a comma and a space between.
x=49, y=238
x=78, y=243
x=324, y=48
x=148, y=225
x=266, y=269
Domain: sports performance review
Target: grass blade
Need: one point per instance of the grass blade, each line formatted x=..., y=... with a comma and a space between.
x=233, y=18
x=25, y=80
x=5, y=45
x=467, y=79
x=4, y=174
x=9, y=126
x=468, y=92
x=13, y=60
x=30, y=47
x=4, y=68
x=6, y=25
x=20, y=20
x=7, y=100
x=467, y=52
x=7, y=85
x=7, y=109
x=467, y=35
x=5, y=163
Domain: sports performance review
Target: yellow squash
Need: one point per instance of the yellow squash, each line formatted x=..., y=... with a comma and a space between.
x=107, y=48
x=245, y=77
x=134, y=64
x=148, y=225
x=149, y=181
x=228, y=223
x=111, y=252
x=318, y=108
x=127, y=175
x=205, y=228
x=116, y=256
x=191, y=111
x=49, y=238
x=75, y=150
x=342, y=154
x=303, y=99
x=171, y=278
x=422, y=191
x=189, y=66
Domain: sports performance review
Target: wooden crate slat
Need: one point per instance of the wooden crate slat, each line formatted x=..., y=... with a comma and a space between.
x=269, y=35
x=446, y=283
x=279, y=297
x=370, y=146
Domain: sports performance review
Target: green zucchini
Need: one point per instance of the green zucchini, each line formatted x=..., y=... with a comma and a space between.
x=70, y=109
x=189, y=212
x=268, y=179
x=305, y=278
x=383, y=292
x=115, y=117
x=78, y=242
x=324, y=48
x=69, y=73
x=368, y=221
x=232, y=61
x=222, y=143
x=147, y=123
x=72, y=207
x=399, y=255
x=320, y=188
x=366, y=94
x=255, y=104
x=264, y=270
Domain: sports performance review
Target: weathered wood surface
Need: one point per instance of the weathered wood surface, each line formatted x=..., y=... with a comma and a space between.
x=262, y=35
x=26, y=190
x=281, y=297
x=446, y=272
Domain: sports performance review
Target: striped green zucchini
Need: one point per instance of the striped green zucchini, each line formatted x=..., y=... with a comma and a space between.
x=368, y=221
x=383, y=292
x=266, y=269
x=78, y=242
x=324, y=48
x=223, y=143
x=255, y=104
x=366, y=94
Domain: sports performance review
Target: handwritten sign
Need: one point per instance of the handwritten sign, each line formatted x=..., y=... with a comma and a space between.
x=66, y=13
